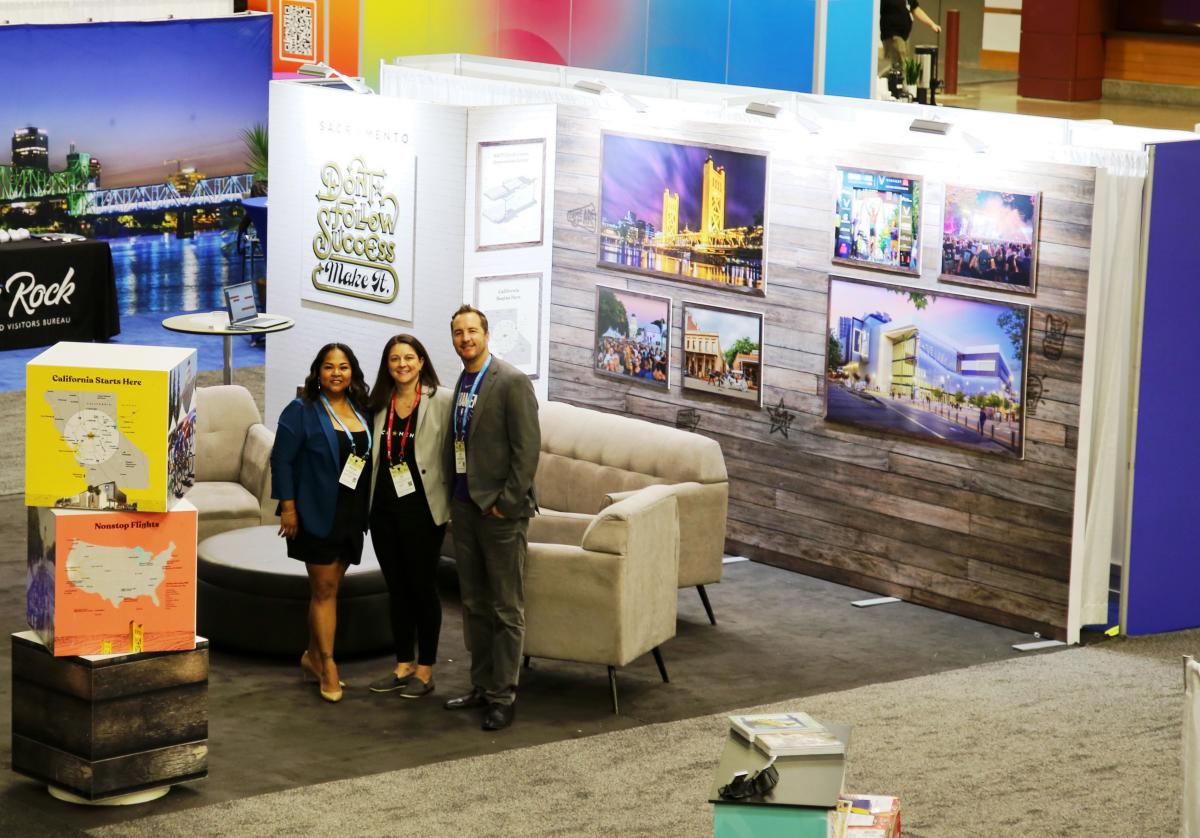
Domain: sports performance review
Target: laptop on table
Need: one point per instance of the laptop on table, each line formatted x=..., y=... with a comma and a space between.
x=243, y=311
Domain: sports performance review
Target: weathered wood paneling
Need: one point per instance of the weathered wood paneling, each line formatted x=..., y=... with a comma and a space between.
x=979, y=535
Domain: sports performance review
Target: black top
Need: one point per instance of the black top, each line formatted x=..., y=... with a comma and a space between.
x=403, y=448
x=895, y=18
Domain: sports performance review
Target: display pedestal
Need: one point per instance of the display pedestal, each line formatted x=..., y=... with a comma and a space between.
x=109, y=728
x=797, y=807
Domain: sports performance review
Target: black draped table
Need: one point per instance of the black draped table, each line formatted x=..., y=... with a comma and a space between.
x=52, y=291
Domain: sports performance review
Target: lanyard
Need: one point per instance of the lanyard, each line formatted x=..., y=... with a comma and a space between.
x=349, y=435
x=462, y=420
x=407, y=425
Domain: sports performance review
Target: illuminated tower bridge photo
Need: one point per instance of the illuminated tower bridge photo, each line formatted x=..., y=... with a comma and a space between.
x=692, y=213
x=951, y=371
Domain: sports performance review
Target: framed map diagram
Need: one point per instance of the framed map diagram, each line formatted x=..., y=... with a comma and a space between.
x=509, y=196
x=513, y=305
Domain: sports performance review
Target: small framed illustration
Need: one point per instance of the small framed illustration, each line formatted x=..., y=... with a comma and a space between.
x=878, y=221
x=688, y=212
x=722, y=352
x=989, y=239
x=633, y=336
x=513, y=305
x=510, y=184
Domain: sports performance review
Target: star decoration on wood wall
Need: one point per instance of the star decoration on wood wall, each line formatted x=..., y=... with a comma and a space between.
x=781, y=418
x=687, y=419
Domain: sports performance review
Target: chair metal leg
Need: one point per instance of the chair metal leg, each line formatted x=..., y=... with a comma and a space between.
x=612, y=682
x=662, y=667
x=528, y=665
x=707, y=607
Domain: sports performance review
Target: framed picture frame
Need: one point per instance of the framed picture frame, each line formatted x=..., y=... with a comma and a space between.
x=689, y=212
x=510, y=193
x=513, y=305
x=990, y=239
x=943, y=368
x=633, y=337
x=722, y=352
x=878, y=220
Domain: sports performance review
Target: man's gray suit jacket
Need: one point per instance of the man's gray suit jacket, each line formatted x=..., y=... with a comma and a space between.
x=504, y=440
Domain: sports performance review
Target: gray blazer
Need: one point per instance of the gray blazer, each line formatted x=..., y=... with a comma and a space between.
x=504, y=441
x=433, y=425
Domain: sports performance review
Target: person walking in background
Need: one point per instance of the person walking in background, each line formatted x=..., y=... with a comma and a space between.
x=322, y=447
x=895, y=25
x=493, y=454
x=410, y=505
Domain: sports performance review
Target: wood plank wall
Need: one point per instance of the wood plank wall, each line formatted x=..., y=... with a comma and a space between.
x=1162, y=59
x=973, y=534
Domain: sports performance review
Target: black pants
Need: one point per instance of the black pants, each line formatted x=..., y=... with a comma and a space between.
x=408, y=545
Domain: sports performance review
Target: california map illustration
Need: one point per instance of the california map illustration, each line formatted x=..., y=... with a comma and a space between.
x=117, y=573
x=88, y=424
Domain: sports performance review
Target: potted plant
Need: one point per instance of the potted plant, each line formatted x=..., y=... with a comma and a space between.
x=912, y=75
x=255, y=139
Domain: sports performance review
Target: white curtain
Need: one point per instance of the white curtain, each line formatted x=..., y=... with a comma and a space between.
x=82, y=11
x=1191, y=751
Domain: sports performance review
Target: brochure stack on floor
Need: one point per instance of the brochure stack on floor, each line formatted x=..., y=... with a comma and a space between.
x=865, y=816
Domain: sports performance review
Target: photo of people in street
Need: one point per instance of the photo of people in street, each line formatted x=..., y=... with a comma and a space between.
x=633, y=336
x=940, y=367
x=722, y=352
x=879, y=221
x=989, y=239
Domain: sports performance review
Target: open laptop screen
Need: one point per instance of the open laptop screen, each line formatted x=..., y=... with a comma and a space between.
x=239, y=302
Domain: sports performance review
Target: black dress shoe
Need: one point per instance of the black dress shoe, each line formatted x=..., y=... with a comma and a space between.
x=474, y=698
x=499, y=716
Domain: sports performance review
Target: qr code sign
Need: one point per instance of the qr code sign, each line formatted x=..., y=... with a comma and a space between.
x=298, y=39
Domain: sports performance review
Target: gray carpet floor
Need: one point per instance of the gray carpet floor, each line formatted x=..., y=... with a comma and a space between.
x=1082, y=742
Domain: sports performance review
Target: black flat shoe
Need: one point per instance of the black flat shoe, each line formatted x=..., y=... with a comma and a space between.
x=390, y=682
x=499, y=716
x=465, y=702
x=415, y=688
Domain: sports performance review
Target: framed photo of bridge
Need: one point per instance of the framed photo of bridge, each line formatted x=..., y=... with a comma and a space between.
x=688, y=212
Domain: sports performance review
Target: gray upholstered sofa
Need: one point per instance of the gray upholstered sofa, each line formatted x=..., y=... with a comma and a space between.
x=233, y=462
x=590, y=460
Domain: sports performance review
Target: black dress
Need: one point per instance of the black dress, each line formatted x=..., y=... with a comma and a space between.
x=345, y=539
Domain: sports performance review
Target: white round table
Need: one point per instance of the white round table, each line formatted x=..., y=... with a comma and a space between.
x=217, y=323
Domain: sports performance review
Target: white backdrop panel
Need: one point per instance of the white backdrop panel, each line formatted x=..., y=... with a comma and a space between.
x=307, y=125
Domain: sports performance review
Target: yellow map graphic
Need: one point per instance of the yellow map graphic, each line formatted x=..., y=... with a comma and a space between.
x=88, y=424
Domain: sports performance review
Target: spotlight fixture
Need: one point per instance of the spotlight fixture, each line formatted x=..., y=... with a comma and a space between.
x=929, y=126
x=772, y=111
x=599, y=88
x=763, y=109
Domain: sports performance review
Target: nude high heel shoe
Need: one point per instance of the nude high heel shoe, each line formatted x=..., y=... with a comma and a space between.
x=307, y=669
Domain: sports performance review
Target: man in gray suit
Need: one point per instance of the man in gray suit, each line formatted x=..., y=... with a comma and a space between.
x=492, y=452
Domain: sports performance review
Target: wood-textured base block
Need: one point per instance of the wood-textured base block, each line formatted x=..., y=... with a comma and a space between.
x=109, y=725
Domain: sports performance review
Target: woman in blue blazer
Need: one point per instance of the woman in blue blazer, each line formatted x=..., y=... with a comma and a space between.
x=320, y=474
x=410, y=505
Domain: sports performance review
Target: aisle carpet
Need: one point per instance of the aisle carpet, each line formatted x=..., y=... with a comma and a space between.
x=1085, y=741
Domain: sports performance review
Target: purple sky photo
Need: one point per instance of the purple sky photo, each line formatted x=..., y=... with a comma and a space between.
x=137, y=94
x=647, y=310
x=634, y=172
x=961, y=321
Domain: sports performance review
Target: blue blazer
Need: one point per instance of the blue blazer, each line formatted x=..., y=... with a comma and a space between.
x=305, y=464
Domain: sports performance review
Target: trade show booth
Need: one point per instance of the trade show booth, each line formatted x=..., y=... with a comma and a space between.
x=890, y=325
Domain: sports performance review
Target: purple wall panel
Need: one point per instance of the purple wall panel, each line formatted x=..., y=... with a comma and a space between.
x=1163, y=590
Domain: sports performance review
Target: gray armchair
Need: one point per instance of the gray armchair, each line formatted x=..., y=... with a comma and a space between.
x=233, y=462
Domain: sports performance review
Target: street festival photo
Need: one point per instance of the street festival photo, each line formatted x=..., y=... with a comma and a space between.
x=878, y=221
x=989, y=239
x=633, y=336
x=939, y=367
x=694, y=213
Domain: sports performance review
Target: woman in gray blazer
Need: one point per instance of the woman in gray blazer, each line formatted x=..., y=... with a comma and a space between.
x=410, y=505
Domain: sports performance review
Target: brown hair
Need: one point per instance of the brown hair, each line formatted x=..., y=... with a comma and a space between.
x=467, y=308
x=382, y=391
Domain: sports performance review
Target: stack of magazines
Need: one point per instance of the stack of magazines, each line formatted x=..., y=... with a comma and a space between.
x=786, y=734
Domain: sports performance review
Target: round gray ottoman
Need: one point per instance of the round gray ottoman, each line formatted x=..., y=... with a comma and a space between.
x=251, y=597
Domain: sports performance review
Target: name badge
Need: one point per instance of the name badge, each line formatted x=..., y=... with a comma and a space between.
x=402, y=480
x=460, y=457
x=353, y=470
